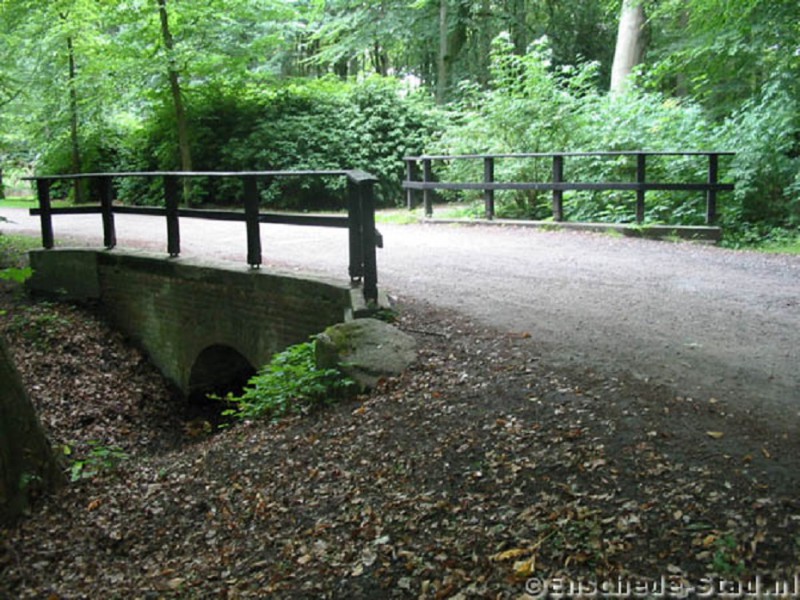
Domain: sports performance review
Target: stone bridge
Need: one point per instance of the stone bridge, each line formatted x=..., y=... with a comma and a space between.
x=205, y=326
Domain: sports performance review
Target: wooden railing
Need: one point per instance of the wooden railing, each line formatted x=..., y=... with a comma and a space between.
x=558, y=184
x=360, y=220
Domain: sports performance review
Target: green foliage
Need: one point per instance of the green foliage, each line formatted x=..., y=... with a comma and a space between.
x=13, y=249
x=718, y=75
x=11, y=258
x=535, y=108
x=765, y=132
x=290, y=383
x=99, y=460
x=727, y=560
x=318, y=124
x=640, y=120
x=788, y=243
x=722, y=53
x=529, y=108
x=100, y=146
x=18, y=275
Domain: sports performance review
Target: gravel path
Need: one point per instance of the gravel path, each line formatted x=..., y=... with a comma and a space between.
x=708, y=322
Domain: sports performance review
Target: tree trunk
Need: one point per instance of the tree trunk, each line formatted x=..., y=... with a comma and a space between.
x=442, y=74
x=451, y=42
x=518, y=28
x=629, y=50
x=380, y=59
x=484, y=45
x=28, y=466
x=75, y=157
x=177, y=96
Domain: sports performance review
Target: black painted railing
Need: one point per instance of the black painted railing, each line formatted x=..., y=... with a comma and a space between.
x=558, y=184
x=360, y=219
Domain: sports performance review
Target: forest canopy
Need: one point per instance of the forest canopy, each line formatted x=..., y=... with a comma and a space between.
x=114, y=85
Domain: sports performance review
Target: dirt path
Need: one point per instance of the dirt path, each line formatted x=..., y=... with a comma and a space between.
x=708, y=322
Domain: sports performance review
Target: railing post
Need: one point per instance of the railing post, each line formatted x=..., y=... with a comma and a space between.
x=45, y=216
x=355, y=222
x=411, y=176
x=251, y=220
x=427, y=195
x=488, y=193
x=106, y=200
x=558, y=194
x=173, y=228
x=367, y=202
x=641, y=175
x=711, y=194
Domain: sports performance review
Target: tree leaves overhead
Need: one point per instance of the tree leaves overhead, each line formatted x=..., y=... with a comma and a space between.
x=727, y=60
x=725, y=52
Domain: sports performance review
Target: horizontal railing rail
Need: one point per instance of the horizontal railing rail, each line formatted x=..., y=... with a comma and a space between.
x=558, y=184
x=360, y=219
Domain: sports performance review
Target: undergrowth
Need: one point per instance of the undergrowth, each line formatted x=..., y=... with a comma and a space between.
x=290, y=383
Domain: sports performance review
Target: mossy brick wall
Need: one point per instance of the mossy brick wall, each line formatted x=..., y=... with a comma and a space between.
x=176, y=308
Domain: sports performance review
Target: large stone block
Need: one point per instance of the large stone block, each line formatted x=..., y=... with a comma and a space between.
x=365, y=350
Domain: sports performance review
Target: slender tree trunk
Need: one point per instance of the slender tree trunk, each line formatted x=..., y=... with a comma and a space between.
x=28, y=466
x=519, y=36
x=380, y=59
x=177, y=96
x=75, y=150
x=451, y=42
x=484, y=44
x=629, y=50
x=442, y=75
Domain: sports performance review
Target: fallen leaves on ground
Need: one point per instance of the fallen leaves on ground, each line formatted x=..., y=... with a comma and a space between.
x=477, y=469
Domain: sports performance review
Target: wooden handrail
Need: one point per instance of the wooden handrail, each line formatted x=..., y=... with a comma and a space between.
x=557, y=185
x=363, y=238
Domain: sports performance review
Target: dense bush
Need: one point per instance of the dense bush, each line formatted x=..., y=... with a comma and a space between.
x=99, y=152
x=765, y=132
x=532, y=107
x=526, y=109
x=639, y=120
x=529, y=106
x=305, y=124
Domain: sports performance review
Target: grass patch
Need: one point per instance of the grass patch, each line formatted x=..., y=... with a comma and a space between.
x=399, y=216
x=472, y=210
x=19, y=202
x=30, y=202
x=787, y=247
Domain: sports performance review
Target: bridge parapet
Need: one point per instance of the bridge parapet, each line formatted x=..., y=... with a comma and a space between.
x=360, y=219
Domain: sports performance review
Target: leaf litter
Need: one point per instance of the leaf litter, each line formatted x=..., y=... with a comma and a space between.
x=475, y=470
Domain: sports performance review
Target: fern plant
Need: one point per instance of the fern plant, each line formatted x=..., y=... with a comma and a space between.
x=290, y=383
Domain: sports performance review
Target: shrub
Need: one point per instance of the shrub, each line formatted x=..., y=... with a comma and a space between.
x=765, y=132
x=99, y=152
x=640, y=120
x=529, y=108
x=290, y=383
x=304, y=124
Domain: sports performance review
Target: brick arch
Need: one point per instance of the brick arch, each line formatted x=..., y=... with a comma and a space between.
x=219, y=368
x=189, y=315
